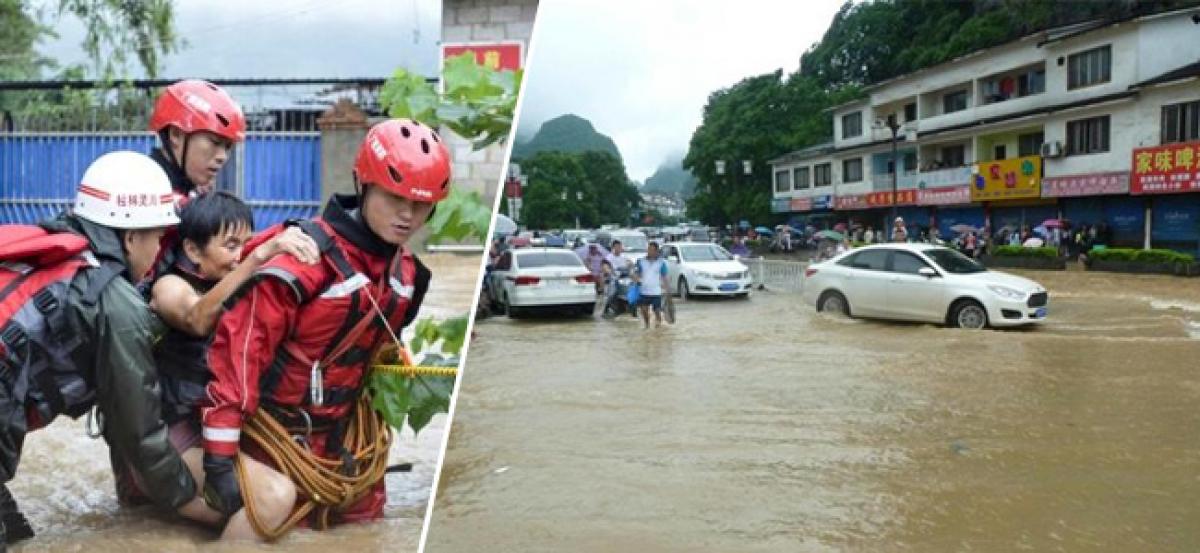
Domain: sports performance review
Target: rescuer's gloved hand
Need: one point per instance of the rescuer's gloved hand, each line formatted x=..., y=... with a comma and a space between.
x=221, y=490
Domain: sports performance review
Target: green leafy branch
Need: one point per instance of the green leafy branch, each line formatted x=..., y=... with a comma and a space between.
x=478, y=102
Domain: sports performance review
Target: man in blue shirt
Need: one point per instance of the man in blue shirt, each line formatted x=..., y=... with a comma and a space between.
x=651, y=275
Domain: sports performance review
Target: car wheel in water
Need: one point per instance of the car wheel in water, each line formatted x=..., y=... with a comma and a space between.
x=509, y=310
x=968, y=314
x=834, y=302
x=683, y=289
x=742, y=296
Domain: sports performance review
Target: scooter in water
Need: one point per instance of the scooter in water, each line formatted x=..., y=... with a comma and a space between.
x=616, y=301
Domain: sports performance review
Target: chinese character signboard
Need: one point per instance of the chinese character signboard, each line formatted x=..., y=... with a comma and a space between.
x=822, y=202
x=1086, y=185
x=1168, y=169
x=882, y=199
x=945, y=195
x=780, y=205
x=1008, y=179
x=496, y=55
x=856, y=201
x=801, y=204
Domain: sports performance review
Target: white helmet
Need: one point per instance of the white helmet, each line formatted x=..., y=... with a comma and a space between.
x=126, y=190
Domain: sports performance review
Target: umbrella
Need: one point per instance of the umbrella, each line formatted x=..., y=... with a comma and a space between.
x=1041, y=230
x=963, y=228
x=831, y=234
x=840, y=227
x=582, y=251
x=1034, y=243
x=505, y=225
x=1053, y=223
x=763, y=230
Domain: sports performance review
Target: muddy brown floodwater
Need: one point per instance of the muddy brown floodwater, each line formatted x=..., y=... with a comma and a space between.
x=65, y=487
x=761, y=426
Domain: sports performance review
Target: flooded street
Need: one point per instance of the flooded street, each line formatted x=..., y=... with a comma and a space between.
x=761, y=426
x=65, y=487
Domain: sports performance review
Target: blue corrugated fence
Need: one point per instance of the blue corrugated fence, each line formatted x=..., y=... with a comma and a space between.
x=278, y=174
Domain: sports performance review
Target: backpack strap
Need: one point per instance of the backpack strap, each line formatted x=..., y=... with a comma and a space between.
x=105, y=274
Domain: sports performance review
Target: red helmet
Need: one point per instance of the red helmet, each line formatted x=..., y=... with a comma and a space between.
x=407, y=158
x=195, y=105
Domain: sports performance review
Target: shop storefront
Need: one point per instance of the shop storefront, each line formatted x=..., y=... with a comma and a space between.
x=1167, y=179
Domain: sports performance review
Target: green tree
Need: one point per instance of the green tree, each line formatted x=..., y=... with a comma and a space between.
x=757, y=119
x=591, y=185
x=551, y=174
x=608, y=192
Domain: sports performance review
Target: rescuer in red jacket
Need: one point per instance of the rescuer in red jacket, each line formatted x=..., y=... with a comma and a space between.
x=273, y=346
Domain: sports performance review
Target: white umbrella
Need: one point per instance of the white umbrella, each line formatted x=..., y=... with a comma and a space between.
x=1034, y=243
x=505, y=225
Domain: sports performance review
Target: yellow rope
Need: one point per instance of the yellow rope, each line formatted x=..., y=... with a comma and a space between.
x=417, y=370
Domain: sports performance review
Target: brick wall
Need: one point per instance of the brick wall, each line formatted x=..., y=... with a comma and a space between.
x=478, y=21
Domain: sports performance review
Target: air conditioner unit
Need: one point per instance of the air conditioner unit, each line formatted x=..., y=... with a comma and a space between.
x=1052, y=149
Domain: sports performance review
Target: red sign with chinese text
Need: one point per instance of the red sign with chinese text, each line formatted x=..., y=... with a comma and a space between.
x=903, y=197
x=1169, y=169
x=496, y=55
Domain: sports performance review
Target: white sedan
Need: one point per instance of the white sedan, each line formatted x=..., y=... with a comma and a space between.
x=703, y=268
x=529, y=278
x=923, y=282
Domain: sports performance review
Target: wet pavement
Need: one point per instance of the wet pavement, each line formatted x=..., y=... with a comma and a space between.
x=65, y=487
x=759, y=425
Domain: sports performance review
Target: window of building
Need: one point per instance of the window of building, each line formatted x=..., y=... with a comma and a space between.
x=910, y=162
x=1181, y=122
x=852, y=170
x=1088, y=68
x=1032, y=82
x=822, y=174
x=852, y=125
x=910, y=112
x=801, y=179
x=954, y=156
x=1087, y=136
x=1030, y=144
x=999, y=152
x=954, y=101
x=783, y=180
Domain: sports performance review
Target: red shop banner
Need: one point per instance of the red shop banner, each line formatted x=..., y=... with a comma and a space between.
x=881, y=199
x=1086, y=185
x=944, y=195
x=496, y=55
x=1169, y=169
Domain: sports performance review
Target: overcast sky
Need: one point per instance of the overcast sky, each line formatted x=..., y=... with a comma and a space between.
x=641, y=71
x=287, y=38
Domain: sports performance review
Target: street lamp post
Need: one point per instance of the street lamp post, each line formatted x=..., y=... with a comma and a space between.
x=891, y=124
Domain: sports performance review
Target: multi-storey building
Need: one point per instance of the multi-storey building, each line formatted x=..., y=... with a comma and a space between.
x=1098, y=123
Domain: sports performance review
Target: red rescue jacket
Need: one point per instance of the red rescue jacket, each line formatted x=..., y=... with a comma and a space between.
x=293, y=316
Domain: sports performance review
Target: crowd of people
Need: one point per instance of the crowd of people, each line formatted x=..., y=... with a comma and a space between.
x=186, y=328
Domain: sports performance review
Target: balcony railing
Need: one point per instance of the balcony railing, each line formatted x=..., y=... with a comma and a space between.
x=883, y=181
x=956, y=176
